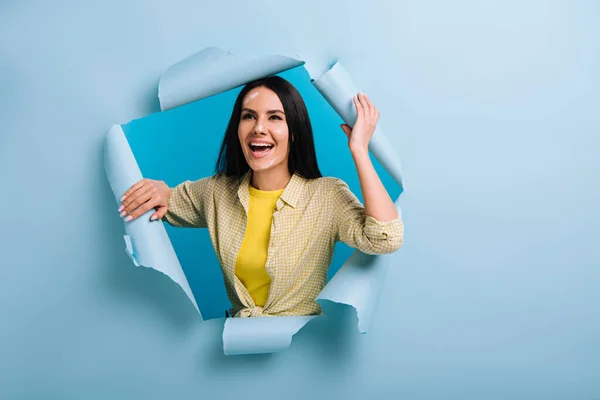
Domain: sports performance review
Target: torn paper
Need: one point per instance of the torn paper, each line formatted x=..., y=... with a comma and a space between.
x=146, y=242
x=212, y=71
x=358, y=283
x=337, y=88
x=261, y=335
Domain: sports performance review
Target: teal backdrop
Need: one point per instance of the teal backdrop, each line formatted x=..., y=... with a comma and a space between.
x=493, y=107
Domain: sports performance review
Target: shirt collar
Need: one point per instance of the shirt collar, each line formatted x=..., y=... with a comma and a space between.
x=293, y=191
x=291, y=194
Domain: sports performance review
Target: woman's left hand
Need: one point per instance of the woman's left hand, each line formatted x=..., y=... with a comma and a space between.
x=366, y=122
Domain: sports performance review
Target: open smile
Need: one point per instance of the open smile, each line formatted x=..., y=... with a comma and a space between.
x=260, y=150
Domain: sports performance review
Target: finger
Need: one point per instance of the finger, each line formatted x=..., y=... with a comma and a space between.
x=346, y=128
x=133, y=188
x=363, y=102
x=133, y=196
x=143, y=209
x=159, y=214
x=359, y=108
x=135, y=202
x=370, y=105
x=373, y=113
x=147, y=197
x=147, y=187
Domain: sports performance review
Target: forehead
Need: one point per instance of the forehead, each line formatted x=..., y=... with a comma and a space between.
x=261, y=97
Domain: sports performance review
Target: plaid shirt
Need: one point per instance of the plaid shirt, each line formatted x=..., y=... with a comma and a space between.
x=309, y=218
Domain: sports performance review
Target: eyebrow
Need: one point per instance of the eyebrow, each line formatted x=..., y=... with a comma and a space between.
x=268, y=112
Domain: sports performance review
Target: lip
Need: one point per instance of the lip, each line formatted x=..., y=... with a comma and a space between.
x=260, y=154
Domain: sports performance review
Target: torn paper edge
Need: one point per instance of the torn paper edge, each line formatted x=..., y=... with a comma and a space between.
x=211, y=71
x=146, y=242
x=261, y=335
x=359, y=281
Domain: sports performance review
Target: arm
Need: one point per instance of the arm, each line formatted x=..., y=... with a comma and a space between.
x=378, y=203
x=381, y=217
x=361, y=231
x=186, y=204
x=180, y=206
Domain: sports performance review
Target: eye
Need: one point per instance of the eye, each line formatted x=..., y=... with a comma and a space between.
x=276, y=117
x=247, y=116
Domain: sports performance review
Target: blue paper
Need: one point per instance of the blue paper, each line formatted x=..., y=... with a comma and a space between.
x=210, y=72
x=146, y=243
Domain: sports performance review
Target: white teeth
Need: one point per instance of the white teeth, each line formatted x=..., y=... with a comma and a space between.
x=261, y=144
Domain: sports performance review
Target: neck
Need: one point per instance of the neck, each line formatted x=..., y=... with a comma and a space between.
x=271, y=179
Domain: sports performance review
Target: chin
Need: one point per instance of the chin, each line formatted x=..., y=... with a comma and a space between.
x=265, y=164
x=262, y=166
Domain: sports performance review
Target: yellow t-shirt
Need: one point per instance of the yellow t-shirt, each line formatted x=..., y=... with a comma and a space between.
x=252, y=256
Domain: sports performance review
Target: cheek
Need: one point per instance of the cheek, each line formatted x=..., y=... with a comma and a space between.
x=280, y=134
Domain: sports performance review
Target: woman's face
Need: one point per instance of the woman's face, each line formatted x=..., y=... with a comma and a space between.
x=263, y=130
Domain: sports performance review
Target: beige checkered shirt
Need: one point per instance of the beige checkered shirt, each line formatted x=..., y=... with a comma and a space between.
x=309, y=218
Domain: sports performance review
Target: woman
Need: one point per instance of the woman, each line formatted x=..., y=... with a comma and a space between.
x=273, y=219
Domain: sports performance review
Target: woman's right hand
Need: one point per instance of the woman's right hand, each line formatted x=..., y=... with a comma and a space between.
x=144, y=196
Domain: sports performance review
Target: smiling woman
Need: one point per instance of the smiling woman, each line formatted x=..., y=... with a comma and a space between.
x=272, y=218
x=258, y=135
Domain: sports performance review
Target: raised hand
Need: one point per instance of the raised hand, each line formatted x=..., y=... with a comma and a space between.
x=364, y=127
x=144, y=196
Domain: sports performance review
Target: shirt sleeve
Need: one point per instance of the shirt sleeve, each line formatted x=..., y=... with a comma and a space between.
x=361, y=231
x=187, y=204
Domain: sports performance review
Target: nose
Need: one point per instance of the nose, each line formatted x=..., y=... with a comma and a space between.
x=259, y=128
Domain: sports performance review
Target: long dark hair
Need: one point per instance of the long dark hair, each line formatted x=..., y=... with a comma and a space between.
x=302, y=157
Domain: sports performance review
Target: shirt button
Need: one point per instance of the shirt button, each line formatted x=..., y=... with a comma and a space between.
x=384, y=235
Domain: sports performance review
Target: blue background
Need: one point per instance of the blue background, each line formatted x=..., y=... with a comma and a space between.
x=191, y=138
x=493, y=107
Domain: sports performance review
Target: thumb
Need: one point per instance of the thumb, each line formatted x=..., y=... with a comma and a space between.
x=346, y=128
x=160, y=212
